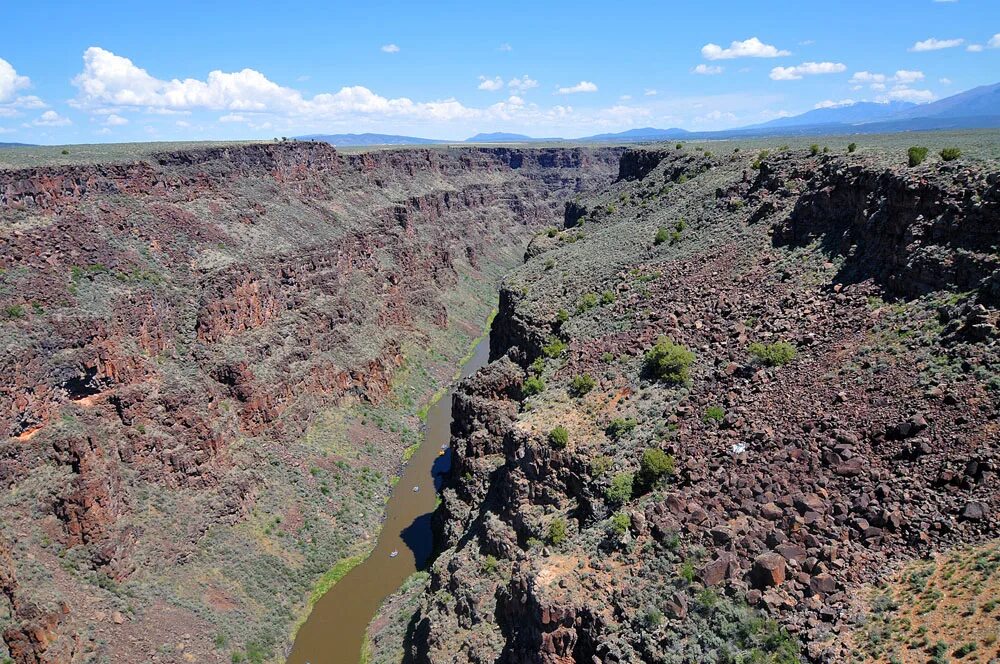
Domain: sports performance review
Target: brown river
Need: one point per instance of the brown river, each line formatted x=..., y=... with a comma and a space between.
x=334, y=631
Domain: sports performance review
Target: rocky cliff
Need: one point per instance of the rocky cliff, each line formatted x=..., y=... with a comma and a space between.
x=733, y=395
x=212, y=359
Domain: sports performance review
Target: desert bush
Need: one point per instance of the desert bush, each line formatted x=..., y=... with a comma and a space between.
x=916, y=155
x=554, y=348
x=620, y=426
x=662, y=235
x=654, y=467
x=557, y=531
x=773, y=355
x=532, y=385
x=490, y=565
x=607, y=297
x=678, y=146
x=620, y=491
x=552, y=232
x=600, y=465
x=852, y=147
x=714, y=414
x=669, y=361
x=620, y=523
x=950, y=154
x=758, y=162
x=588, y=301
x=559, y=437
x=581, y=384
x=813, y=150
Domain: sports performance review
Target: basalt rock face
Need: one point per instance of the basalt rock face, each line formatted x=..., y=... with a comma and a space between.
x=788, y=484
x=170, y=327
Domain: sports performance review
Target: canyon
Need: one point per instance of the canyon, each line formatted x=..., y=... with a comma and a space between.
x=216, y=359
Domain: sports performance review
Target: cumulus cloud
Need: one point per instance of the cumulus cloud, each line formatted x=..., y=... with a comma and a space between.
x=707, y=70
x=749, y=48
x=491, y=84
x=829, y=103
x=908, y=76
x=10, y=81
x=110, y=80
x=390, y=48
x=903, y=93
x=974, y=48
x=115, y=120
x=522, y=84
x=51, y=119
x=944, y=81
x=505, y=47
x=806, y=69
x=650, y=92
x=994, y=41
x=933, y=44
x=582, y=86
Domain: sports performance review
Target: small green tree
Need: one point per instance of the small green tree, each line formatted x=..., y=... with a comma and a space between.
x=669, y=361
x=607, y=297
x=620, y=523
x=581, y=384
x=619, y=427
x=532, y=385
x=559, y=438
x=557, y=531
x=554, y=348
x=773, y=355
x=662, y=235
x=852, y=147
x=950, y=154
x=916, y=155
x=813, y=150
x=562, y=316
x=655, y=465
x=620, y=491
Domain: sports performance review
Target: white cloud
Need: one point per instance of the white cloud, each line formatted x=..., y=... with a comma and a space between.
x=707, y=70
x=866, y=77
x=625, y=98
x=905, y=76
x=505, y=47
x=807, y=42
x=115, y=120
x=111, y=80
x=10, y=81
x=944, y=81
x=749, y=48
x=974, y=48
x=829, y=103
x=933, y=44
x=522, y=84
x=514, y=100
x=390, y=48
x=806, y=69
x=903, y=93
x=582, y=86
x=714, y=117
x=491, y=84
x=650, y=92
x=233, y=117
x=994, y=41
x=29, y=102
x=183, y=124
x=51, y=119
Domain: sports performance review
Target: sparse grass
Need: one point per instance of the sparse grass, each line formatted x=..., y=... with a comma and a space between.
x=714, y=414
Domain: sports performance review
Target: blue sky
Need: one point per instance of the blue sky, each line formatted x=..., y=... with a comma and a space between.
x=85, y=72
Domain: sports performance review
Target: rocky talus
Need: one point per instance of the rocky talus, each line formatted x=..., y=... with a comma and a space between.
x=829, y=411
x=181, y=335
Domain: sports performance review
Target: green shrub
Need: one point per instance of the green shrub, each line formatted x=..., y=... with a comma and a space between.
x=532, y=385
x=588, y=301
x=14, y=311
x=620, y=491
x=669, y=362
x=916, y=155
x=559, y=438
x=554, y=348
x=759, y=161
x=607, y=297
x=607, y=357
x=620, y=426
x=600, y=465
x=620, y=523
x=951, y=154
x=852, y=147
x=678, y=146
x=826, y=149
x=813, y=150
x=557, y=531
x=581, y=384
x=562, y=316
x=686, y=571
x=662, y=235
x=552, y=232
x=654, y=466
x=490, y=565
x=714, y=414
x=550, y=263
x=773, y=355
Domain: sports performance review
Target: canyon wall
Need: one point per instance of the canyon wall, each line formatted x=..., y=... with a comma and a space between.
x=199, y=348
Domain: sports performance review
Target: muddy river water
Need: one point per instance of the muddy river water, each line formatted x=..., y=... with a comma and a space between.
x=334, y=631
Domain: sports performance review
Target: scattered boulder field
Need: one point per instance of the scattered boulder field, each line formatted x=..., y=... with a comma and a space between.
x=734, y=395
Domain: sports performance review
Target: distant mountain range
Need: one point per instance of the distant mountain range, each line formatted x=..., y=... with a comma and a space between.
x=15, y=145
x=978, y=108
